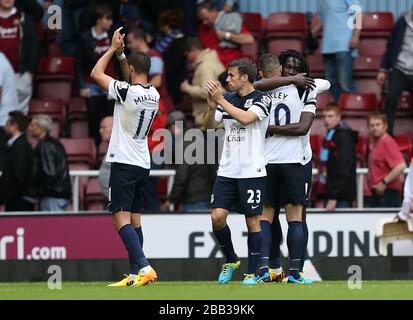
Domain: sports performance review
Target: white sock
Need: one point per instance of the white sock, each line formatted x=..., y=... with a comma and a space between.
x=277, y=271
x=132, y=276
x=145, y=270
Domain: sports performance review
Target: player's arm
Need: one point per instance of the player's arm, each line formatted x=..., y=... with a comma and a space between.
x=98, y=72
x=294, y=129
x=210, y=118
x=123, y=62
x=299, y=80
x=244, y=117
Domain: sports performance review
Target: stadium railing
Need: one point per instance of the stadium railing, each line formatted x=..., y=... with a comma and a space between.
x=76, y=174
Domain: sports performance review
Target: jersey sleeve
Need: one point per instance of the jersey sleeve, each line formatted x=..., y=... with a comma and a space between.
x=261, y=106
x=310, y=101
x=219, y=114
x=118, y=90
x=322, y=85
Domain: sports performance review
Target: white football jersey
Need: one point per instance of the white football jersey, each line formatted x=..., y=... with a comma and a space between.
x=243, y=151
x=135, y=108
x=286, y=108
x=322, y=85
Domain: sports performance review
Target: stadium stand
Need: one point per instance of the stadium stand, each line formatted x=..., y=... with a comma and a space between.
x=55, y=77
x=54, y=108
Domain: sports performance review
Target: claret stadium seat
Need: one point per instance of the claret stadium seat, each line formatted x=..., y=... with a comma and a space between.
x=357, y=104
x=54, y=108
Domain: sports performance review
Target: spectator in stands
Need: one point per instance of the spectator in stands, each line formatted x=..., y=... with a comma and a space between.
x=73, y=12
x=18, y=41
x=207, y=66
x=397, y=65
x=50, y=181
x=8, y=101
x=223, y=5
x=104, y=171
x=172, y=47
x=193, y=182
x=222, y=32
x=385, y=163
x=339, y=43
x=137, y=41
x=339, y=155
x=93, y=44
x=15, y=180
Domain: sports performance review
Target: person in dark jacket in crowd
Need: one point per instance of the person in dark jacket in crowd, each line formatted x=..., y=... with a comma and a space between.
x=93, y=44
x=50, y=181
x=397, y=65
x=193, y=182
x=18, y=41
x=14, y=182
x=339, y=153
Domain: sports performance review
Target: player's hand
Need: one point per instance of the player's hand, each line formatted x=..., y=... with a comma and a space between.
x=331, y=205
x=214, y=89
x=117, y=39
x=381, y=78
x=300, y=80
x=211, y=103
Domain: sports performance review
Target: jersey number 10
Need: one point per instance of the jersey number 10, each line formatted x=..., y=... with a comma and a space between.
x=284, y=107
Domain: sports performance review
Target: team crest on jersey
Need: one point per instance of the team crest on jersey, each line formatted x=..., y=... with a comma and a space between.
x=266, y=100
x=248, y=103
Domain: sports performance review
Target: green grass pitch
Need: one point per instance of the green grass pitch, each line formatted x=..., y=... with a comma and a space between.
x=209, y=290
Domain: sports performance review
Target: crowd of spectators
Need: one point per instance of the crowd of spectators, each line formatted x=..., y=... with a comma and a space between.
x=189, y=42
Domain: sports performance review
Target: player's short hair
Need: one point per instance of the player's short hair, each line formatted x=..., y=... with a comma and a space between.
x=193, y=43
x=100, y=12
x=332, y=106
x=19, y=119
x=290, y=53
x=138, y=34
x=245, y=66
x=140, y=61
x=44, y=121
x=377, y=115
x=268, y=62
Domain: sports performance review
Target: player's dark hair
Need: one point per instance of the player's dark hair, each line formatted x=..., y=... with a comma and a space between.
x=19, y=119
x=100, y=12
x=290, y=53
x=140, y=61
x=268, y=62
x=245, y=66
x=193, y=43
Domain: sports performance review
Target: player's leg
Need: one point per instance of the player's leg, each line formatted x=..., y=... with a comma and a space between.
x=308, y=168
x=292, y=198
x=266, y=220
x=251, y=198
x=224, y=196
x=295, y=239
x=277, y=273
x=137, y=225
x=147, y=273
x=121, y=196
x=254, y=242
